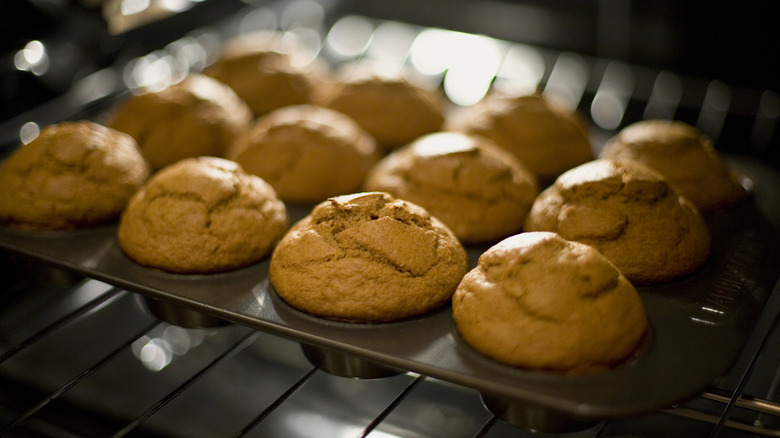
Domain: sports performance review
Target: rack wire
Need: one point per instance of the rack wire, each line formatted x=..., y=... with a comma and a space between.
x=20, y=418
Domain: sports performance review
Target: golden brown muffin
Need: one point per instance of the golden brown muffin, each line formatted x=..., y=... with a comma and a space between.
x=539, y=302
x=684, y=156
x=367, y=257
x=307, y=153
x=630, y=213
x=263, y=68
x=479, y=190
x=73, y=174
x=394, y=108
x=198, y=116
x=544, y=135
x=202, y=215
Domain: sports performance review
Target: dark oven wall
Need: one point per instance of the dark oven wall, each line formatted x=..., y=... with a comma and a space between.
x=733, y=43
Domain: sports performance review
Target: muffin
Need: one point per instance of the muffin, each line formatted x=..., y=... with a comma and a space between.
x=198, y=116
x=630, y=213
x=480, y=191
x=545, y=136
x=394, y=108
x=684, y=156
x=202, y=215
x=540, y=302
x=268, y=70
x=73, y=174
x=307, y=153
x=369, y=258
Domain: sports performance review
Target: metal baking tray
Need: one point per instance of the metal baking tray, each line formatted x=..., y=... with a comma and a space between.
x=699, y=323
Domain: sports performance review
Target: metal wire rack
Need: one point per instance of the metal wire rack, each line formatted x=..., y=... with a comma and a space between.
x=83, y=358
x=79, y=357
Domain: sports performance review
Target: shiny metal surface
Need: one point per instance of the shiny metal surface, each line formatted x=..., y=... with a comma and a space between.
x=699, y=323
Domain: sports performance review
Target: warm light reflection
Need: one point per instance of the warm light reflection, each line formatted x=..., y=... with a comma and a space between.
x=567, y=80
x=711, y=310
x=611, y=100
x=470, y=62
x=309, y=42
x=431, y=52
x=702, y=321
x=193, y=53
x=259, y=291
x=123, y=15
x=391, y=42
x=29, y=132
x=443, y=143
x=94, y=86
x=90, y=290
x=466, y=86
x=132, y=7
x=714, y=109
x=607, y=110
x=153, y=72
x=32, y=58
x=521, y=71
x=157, y=352
x=718, y=96
x=176, y=5
x=155, y=355
x=302, y=14
x=665, y=96
x=258, y=19
x=349, y=37
x=314, y=424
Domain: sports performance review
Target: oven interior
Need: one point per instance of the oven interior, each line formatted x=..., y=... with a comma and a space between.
x=82, y=357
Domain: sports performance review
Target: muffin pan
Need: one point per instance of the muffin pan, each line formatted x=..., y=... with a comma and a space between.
x=699, y=323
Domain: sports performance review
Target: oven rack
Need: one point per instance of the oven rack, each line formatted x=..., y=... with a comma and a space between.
x=43, y=319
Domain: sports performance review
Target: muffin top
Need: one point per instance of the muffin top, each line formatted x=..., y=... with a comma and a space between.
x=268, y=70
x=630, y=213
x=307, y=153
x=73, y=174
x=393, y=108
x=540, y=302
x=684, y=156
x=198, y=116
x=545, y=136
x=202, y=215
x=367, y=257
x=478, y=189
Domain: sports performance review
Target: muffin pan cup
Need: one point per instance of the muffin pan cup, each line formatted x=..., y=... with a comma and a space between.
x=345, y=364
x=179, y=315
x=533, y=417
x=699, y=323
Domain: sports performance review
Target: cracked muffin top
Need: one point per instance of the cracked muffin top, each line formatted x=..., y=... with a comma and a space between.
x=478, y=189
x=540, y=302
x=199, y=116
x=394, y=108
x=202, y=215
x=630, y=213
x=307, y=153
x=268, y=70
x=546, y=136
x=73, y=174
x=367, y=257
x=684, y=156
